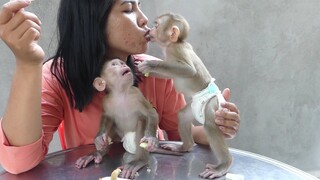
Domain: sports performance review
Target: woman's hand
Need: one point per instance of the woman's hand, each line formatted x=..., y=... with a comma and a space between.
x=20, y=30
x=228, y=118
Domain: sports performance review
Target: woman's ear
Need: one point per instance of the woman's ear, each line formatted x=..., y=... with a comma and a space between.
x=174, y=34
x=99, y=84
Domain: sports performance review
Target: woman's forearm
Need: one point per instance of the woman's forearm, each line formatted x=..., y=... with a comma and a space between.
x=22, y=118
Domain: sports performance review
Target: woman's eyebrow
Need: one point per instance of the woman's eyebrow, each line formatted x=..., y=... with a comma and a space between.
x=132, y=2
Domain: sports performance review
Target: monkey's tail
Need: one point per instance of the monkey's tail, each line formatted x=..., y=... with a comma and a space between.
x=167, y=152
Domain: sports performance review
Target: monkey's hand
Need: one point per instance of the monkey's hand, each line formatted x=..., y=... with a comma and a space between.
x=147, y=66
x=85, y=160
x=101, y=142
x=152, y=143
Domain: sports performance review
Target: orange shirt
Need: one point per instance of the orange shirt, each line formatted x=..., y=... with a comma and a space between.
x=82, y=127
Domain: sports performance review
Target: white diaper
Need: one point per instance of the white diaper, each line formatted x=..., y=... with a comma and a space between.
x=200, y=99
x=129, y=142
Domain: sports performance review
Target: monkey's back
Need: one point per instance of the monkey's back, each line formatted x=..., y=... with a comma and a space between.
x=189, y=85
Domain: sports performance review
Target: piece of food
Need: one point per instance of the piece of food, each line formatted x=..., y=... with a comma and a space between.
x=144, y=145
x=115, y=174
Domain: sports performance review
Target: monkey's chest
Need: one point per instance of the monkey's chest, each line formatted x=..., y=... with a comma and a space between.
x=126, y=117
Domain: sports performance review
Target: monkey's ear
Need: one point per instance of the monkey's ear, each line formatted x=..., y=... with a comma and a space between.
x=99, y=84
x=174, y=33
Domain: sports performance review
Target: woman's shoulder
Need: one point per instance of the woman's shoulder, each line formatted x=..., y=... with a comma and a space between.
x=47, y=64
x=48, y=79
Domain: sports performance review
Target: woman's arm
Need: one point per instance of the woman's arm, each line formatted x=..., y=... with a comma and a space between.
x=21, y=127
x=20, y=30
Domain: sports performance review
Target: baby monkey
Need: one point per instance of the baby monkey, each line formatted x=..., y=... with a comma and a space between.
x=127, y=115
x=190, y=77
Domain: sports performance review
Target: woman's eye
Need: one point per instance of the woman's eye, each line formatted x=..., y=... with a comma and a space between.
x=129, y=9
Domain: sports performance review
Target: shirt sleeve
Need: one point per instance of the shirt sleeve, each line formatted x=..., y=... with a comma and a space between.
x=19, y=159
x=16, y=159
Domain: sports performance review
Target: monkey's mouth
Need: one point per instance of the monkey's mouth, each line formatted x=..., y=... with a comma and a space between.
x=151, y=38
x=126, y=71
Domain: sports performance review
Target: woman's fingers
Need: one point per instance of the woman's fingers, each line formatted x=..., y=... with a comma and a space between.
x=10, y=8
x=19, y=18
x=27, y=31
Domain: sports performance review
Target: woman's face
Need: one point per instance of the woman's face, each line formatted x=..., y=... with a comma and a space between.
x=127, y=31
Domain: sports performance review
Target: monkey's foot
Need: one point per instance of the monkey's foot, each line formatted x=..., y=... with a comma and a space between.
x=177, y=147
x=129, y=171
x=214, y=171
x=85, y=160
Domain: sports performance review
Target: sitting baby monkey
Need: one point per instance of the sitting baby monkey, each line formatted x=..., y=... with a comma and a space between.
x=190, y=77
x=127, y=115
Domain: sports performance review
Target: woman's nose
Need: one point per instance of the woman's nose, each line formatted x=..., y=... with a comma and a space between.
x=143, y=20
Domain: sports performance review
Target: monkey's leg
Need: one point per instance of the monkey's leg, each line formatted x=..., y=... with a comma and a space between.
x=185, y=124
x=217, y=144
x=133, y=163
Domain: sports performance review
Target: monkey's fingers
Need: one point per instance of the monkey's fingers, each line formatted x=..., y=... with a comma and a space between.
x=84, y=161
x=149, y=143
x=98, y=159
x=131, y=170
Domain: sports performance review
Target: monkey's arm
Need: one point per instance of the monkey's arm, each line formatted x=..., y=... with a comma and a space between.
x=168, y=68
x=151, y=119
x=152, y=123
x=148, y=114
x=101, y=141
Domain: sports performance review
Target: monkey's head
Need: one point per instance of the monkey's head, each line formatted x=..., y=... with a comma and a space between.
x=169, y=28
x=115, y=75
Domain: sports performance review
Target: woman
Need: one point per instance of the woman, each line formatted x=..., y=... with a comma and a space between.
x=89, y=31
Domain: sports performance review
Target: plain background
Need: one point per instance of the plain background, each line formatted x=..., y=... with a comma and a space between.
x=266, y=52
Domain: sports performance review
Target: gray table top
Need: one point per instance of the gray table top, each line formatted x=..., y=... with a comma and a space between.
x=60, y=165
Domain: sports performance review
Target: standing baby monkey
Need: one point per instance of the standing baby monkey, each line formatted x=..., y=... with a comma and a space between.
x=127, y=115
x=191, y=78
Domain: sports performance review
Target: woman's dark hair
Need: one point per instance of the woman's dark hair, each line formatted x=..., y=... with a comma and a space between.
x=81, y=47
